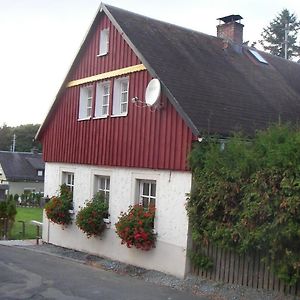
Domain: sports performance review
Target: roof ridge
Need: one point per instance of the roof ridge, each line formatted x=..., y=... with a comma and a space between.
x=162, y=21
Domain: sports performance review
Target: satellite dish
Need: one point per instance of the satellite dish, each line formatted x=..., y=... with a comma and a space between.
x=152, y=92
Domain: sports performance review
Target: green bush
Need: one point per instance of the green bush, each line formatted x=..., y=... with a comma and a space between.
x=8, y=213
x=247, y=196
x=90, y=218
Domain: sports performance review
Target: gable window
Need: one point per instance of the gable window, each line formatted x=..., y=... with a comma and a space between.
x=39, y=173
x=120, y=100
x=102, y=185
x=104, y=42
x=85, y=102
x=147, y=193
x=102, y=99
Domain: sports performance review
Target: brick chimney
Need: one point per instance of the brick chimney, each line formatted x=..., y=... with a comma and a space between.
x=230, y=28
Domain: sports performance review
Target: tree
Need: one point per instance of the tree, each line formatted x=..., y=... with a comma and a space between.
x=273, y=36
x=24, y=138
x=5, y=137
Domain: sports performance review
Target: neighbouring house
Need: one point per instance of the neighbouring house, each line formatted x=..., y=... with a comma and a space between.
x=103, y=133
x=21, y=172
x=3, y=191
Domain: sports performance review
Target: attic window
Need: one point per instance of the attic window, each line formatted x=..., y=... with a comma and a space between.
x=120, y=98
x=104, y=42
x=40, y=172
x=102, y=100
x=258, y=56
x=85, y=102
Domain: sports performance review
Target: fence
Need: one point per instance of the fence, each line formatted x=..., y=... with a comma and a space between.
x=245, y=270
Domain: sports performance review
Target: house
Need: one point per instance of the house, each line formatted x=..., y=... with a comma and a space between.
x=103, y=134
x=21, y=172
x=3, y=191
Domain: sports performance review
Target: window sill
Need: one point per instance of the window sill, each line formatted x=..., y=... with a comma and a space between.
x=102, y=117
x=84, y=119
x=121, y=115
x=102, y=54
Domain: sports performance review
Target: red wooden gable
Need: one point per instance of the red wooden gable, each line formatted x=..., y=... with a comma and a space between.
x=145, y=138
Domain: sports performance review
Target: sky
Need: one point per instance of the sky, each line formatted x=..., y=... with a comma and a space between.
x=40, y=39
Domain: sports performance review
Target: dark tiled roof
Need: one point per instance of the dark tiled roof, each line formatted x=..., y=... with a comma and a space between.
x=19, y=166
x=218, y=88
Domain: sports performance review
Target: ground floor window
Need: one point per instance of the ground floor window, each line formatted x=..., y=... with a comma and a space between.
x=68, y=180
x=147, y=193
x=102, y=185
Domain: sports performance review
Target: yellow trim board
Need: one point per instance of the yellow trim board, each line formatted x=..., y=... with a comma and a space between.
x=107, y=75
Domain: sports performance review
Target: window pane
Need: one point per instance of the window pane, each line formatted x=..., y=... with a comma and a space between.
x=152, y=201
x=89, y=102
x=89, y=93
x=69, y=179
x=89, y=112
x=105, y=100
x=145, y=202
x=124, y=86
x=124, y=97
x=153, y=190
x=123, y=108
x=102, y=183
x=104, y=110
x=145, y=189
x=106, y=89
x=107, y=184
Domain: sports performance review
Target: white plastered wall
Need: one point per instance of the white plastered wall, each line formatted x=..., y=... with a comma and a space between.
x=171, y=222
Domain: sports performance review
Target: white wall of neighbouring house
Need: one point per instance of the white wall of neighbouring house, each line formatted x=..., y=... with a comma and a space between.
x=171, y=221
x=18, y=187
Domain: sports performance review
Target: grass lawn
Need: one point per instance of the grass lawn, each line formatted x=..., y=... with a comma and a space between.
x=26, y=214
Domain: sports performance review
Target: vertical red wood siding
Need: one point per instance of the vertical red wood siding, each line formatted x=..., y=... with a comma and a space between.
x=119, y=55
x=145, y=138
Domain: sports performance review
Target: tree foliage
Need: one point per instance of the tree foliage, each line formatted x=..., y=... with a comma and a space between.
x=5, y=138
x=24, y=137
x=8, y=213
x=247, y=196
x=273, y=36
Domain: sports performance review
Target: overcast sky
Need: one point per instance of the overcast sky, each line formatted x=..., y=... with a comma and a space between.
x=40, y=38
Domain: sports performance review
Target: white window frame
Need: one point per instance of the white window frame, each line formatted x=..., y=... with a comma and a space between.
x=85, y=103
x=148, y=196
x=105, y=189
x=68, y=180
x=103, y=42
x=118, y=102
x=100, y=105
